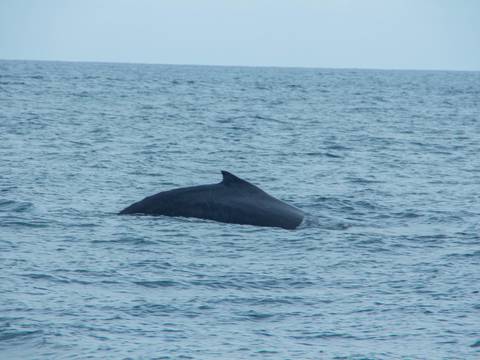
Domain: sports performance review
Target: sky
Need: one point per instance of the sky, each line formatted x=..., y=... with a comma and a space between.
x=381, y=34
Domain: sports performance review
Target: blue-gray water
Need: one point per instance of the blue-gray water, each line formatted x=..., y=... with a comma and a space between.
x=386, y=163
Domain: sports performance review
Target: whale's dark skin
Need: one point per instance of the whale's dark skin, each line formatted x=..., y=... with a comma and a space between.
x=233, y=201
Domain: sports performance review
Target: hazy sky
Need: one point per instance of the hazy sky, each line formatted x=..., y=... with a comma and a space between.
x=412, y=34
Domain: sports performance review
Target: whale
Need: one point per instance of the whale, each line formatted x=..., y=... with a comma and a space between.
x=233, y=200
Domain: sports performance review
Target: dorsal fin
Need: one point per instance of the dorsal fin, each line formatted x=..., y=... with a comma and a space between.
x=229, y=178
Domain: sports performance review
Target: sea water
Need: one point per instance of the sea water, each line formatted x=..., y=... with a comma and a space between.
x=385, y=163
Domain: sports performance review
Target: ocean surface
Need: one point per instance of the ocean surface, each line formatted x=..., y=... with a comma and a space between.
x=386, y=164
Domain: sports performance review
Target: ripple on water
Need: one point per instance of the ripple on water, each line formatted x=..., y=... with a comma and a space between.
x=15, y=206
x=18, y=335
x=158, y=283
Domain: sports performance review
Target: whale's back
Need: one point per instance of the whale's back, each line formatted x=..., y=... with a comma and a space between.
x=234, y=200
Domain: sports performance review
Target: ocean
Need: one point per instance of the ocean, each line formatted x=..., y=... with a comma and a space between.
x=385, y=163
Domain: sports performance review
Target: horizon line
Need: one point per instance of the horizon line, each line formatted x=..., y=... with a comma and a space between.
x=242, y=66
